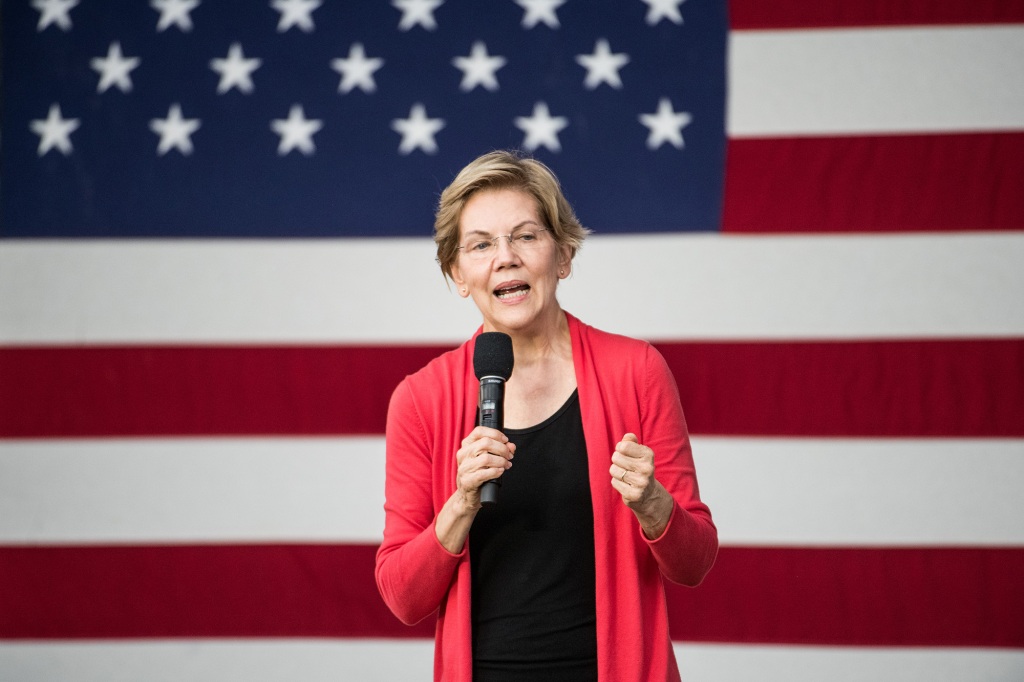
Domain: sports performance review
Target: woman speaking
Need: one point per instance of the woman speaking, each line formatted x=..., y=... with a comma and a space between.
x=562, y=578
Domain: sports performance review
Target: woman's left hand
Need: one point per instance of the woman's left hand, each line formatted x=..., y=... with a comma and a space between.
x=632, y=473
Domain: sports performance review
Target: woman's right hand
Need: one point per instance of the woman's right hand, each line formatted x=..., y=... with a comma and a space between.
x=485, y=455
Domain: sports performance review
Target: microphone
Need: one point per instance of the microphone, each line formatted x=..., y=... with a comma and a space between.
x=492, y=364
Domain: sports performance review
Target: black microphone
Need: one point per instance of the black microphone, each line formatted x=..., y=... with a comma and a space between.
x=492, y=363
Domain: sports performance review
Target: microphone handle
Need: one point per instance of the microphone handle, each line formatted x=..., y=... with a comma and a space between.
x=491, y=413
x=489, y=493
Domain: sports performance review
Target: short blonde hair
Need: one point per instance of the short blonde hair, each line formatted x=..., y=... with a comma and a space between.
x=504, y=170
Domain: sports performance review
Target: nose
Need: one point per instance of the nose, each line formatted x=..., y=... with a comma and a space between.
x=505, y=254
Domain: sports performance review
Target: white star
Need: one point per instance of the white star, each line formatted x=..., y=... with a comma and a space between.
x=114, y=69
x=663, y=9
x=174, y=12
x=54, y=12
x=417, y=12
x=235, y=70
x=54, y=131
x=540, y=10
x=417, y=131
x=541, y=128
x=296, y=13
x=479, y=68
x=175, y=131
x=357, y=70
x=602, y=66
x=665, y=125
x=296, y=131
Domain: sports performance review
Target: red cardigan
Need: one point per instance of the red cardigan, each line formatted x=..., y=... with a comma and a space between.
x=624, y=386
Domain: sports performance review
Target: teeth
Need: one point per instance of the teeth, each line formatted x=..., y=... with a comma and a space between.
x=511, y=293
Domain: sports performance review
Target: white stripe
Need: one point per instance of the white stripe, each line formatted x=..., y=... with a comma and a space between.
x=181, y=490
x=256, y=660
x=898, y=80
x=391, y=291
x=726, y=663
x=779, y=492
x=270, y=660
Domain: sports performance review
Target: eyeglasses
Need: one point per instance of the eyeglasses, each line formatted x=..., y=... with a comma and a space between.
x=522, y=241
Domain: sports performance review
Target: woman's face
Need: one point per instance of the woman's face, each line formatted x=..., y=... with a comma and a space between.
x=514, y=287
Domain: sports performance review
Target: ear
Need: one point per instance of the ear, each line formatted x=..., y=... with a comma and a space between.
x=565, y=261
x=460, y=282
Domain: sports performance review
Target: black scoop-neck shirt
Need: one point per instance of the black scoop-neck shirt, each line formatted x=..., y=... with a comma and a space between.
x=532, y=561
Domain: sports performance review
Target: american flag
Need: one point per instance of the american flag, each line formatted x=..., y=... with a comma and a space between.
x=215, y=265
x=300, y=118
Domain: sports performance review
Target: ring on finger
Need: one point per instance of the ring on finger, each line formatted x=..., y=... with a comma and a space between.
x=623, y=476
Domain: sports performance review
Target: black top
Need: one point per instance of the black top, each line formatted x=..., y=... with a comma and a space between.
x=532, y=561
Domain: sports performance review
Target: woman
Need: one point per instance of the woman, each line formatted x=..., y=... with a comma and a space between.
x=562, y=578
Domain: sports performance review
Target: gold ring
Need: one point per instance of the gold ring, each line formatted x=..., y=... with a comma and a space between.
x=623, y=476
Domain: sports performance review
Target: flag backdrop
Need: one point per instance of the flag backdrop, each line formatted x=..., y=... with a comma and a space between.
x=215, y=265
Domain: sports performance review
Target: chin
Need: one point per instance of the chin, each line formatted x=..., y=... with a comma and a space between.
x=516, y=319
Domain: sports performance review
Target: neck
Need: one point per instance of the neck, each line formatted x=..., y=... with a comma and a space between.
x=544, y=341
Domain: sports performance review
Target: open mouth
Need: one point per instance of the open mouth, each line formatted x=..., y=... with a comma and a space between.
x=512, y=291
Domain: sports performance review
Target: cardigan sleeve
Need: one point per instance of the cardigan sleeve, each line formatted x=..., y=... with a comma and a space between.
x=413, y=569
x=687, y=548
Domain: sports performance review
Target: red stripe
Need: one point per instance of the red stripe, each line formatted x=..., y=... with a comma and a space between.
x=149, y=391
x=875, y=184
x=193, y=591
x=852, y=388
x=883, y=388
x=759, y=14
x=905, y=597
x=865, y=597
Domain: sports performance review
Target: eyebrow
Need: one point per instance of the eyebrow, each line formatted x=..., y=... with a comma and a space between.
x=514, y=228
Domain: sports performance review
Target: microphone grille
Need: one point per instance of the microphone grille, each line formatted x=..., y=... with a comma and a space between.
x=492, y=355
